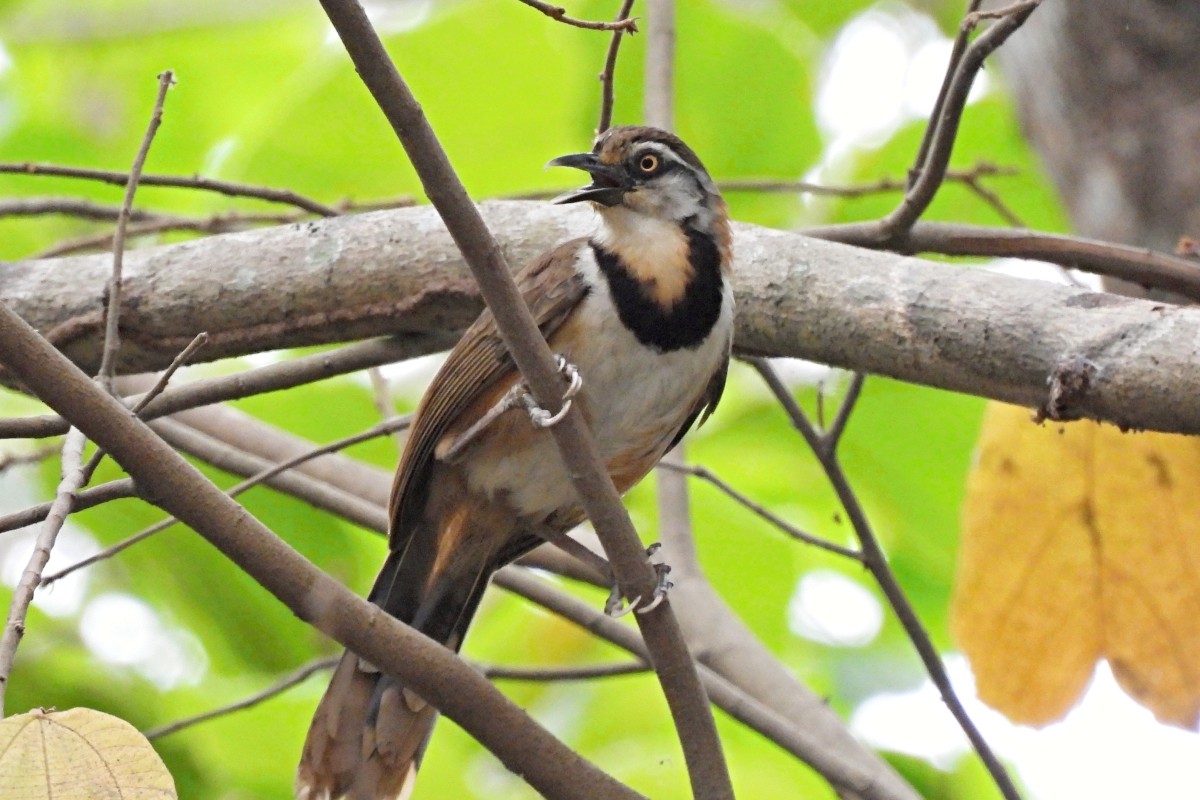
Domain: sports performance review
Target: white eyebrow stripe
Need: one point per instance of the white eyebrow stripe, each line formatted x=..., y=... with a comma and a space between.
x=666, y=152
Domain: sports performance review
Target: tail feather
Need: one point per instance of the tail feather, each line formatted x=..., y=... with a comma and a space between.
x=369, y=731
x=359, y=748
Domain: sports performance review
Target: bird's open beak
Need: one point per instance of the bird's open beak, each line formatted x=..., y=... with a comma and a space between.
x=609, y=182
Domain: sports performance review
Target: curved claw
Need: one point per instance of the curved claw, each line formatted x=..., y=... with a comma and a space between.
x=615, y=607
x=653, y=604
x=660, y=590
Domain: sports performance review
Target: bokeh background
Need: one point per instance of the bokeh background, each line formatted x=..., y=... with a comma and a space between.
x=834, y=92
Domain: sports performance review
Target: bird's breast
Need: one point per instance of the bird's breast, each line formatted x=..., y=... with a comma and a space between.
x=635, y=398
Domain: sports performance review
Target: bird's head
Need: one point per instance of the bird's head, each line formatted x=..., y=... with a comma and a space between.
x=650, y=172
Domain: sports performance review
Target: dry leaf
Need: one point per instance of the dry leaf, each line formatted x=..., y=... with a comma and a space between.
x=1080, y=542
x=78, y=754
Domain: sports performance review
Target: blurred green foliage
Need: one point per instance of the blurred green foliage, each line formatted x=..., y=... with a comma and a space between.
x=266, y=95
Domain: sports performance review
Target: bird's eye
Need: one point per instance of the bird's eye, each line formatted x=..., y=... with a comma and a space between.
x=648, y=163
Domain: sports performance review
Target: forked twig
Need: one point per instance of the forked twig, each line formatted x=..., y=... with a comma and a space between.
x=199, y=182
x=382, y=429
x=559, y=13
x=112, y=314
x=825, y=448
x=281, y=686
x=610, y=68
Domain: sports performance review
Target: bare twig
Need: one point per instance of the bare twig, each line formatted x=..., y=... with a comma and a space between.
x=975, y=17
x=491, y=672
x=945, y=124
x=956, y=53
x=990, y=197
x=112, y=315
x=319, y=494
x=278, y=688
x=610, y=68
x=385, y=404
x=724, y=644
x=382, y=429
x=72, y=207
x=32, y=457
x=705, y=474
x=674, y=667
x=559, y=13
x=88, y=498
x=832, y=435
x=259, y=380
x=876, y=562
x=1135, y=264
x=217, y=223
x=546, y=674
x=198, y=182
x=73, y=478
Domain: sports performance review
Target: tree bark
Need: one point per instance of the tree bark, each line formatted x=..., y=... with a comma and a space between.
x=966, y=330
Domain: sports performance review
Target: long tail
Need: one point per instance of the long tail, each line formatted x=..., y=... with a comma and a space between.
x=369, y=732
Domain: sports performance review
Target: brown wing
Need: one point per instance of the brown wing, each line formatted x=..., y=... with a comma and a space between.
x=551, y=287
x=707, y=403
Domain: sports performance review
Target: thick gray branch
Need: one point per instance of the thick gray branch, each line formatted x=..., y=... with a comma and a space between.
x=955, y=328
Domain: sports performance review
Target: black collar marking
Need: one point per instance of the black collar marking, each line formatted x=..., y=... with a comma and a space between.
x=685, y=324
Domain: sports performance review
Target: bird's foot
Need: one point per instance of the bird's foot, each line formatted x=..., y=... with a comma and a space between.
x=615, y=605
x=519, y=397
x=539, y=416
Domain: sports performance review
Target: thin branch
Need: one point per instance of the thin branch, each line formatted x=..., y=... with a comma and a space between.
x=160, y=385
x=1138, y=265
x=112, y=315
x=610, y=68
x=559, y=13
x=705, y=474
x=492, y=672
x=833, y=434
x=217, y=223
x=88, y=498
x=71, y=207
x=36, y=456
x=319, y=494
x=673, y=664
x=945, y=124
x=262, y=476
x=385, y=404
x=990, y=197
x=876, y=562
x=73, y=478
x=197, y=182
x=299, y=676
x=551, y=674
x=259, y=380
x=201, y=339
x=956, y=54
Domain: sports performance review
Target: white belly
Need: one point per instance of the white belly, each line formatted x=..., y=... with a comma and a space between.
x=634, y=395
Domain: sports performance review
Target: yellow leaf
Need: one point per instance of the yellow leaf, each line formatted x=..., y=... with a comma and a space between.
x=1080, y=542
x=78, y=754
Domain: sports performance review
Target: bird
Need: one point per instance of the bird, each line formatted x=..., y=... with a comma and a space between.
x=641, y=313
